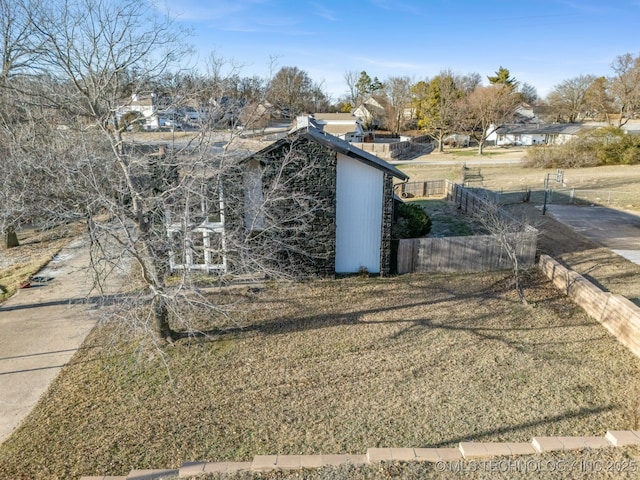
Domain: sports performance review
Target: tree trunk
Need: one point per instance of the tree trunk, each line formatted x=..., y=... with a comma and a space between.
x=12, y=238
x=161, y=317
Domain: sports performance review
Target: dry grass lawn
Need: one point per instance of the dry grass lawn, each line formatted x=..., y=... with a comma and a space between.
x=511, y=177
x=333, y=367
x=36, y=250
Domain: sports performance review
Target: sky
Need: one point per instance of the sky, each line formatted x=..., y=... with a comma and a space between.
x=541, y=42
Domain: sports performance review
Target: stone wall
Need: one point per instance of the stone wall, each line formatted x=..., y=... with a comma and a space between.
x=387, y=222
x=617, y=314
x=298, y=188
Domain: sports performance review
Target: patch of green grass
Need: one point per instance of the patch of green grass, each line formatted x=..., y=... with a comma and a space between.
x=474, y=153
x=447, y=221
x=335, y=366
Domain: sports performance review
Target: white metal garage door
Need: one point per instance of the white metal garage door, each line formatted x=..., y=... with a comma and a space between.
x=358, y=216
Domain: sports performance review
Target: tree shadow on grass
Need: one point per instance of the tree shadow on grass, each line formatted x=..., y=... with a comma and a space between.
x=469, y=322
x=96, y=302
x=491, y=434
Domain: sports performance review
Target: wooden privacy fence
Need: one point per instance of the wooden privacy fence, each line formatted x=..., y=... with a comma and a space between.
x=469, y=253
x=394, y=149
x=432, y=188
x=385, y=150
x=464, y=254
x=465, y=198
x=474, y=201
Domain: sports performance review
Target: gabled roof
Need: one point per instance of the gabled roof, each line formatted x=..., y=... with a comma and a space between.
x=543, y=129
x=337, y=123
x=334, y=129
x=313, y=133
x=347, y=117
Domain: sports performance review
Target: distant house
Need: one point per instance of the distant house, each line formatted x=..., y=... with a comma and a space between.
x=535, y=134
x=154, y=111
x=372, y=111
x=315, y=204
x=377, y=112
x=528, y=129
x=345, y=126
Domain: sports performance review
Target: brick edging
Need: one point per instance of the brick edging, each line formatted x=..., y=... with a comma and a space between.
x=464, y=451
x=617, y=314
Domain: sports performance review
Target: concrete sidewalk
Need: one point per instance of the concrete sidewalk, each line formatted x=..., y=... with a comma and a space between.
x=41, y=328
x=615, y=229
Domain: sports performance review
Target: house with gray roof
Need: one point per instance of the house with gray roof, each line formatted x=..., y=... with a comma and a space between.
x=536, y=133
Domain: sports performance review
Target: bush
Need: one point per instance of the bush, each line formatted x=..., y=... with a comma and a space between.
x=411, y=221
x=605, y=146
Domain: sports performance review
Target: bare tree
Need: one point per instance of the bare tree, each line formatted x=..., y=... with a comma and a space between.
x=18, y=50
x=96, y=54
x=528, y=93
x=398, y=107
x=485, y=109
x=162, y=208
x=294, y=92
x=18, y=53
x=510, y=233
x=598, y=100
x=354, y=95
x=569, y=98
x=469, y=82
x=625, y=86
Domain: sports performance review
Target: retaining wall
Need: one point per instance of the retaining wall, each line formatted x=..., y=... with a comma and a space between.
x=616, y=313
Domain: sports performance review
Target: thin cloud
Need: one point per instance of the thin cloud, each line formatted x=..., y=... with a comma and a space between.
x=193, y=10
x=390, y=63
x=404, y=7
x=585, y=7
x=324, y=12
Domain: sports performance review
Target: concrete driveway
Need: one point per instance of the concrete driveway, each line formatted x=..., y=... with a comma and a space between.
x=615, y=229
x=40, y=330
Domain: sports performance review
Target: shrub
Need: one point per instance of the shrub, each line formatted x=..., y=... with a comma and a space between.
x=411, y=221
x=605, y=146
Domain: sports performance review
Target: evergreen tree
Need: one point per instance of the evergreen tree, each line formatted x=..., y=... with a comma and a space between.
x=503, y=77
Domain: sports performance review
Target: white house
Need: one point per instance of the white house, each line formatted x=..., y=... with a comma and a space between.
x=372, y=110
x=534, y=134
x=342, y=125
x=156, y=110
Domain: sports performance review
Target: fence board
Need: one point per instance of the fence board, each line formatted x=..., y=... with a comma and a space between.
x=431, y=188
x=464, y=254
